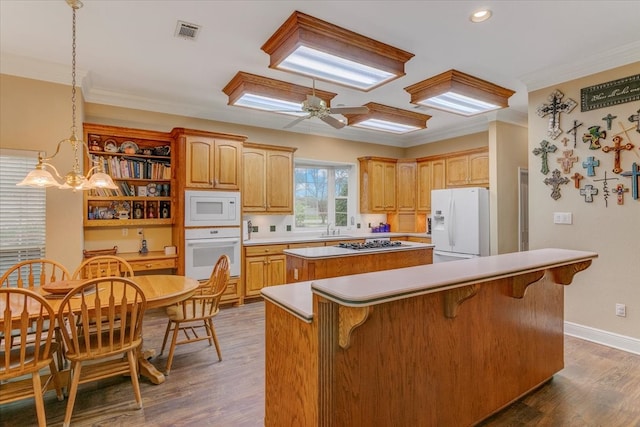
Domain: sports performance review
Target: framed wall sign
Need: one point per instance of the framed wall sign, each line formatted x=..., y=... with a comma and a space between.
x=611, y=93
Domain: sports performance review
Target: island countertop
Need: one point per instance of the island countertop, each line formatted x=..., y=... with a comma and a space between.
x=375, y=288
x=321, y=252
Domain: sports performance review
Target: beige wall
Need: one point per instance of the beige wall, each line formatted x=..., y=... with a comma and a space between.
x=467, y=142
x=613, y=232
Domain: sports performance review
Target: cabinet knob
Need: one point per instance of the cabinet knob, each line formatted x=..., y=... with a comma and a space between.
x=148, y=265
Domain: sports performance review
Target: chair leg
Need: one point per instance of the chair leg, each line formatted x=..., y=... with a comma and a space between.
x=207, y=328
x=37, y=394
x=56, y=380
x=172, y=348
x=166, y=334
x=215, y=339
x=133, y=367
x=73, y=389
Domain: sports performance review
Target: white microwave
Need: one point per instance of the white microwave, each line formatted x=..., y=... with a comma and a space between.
x=211, y=208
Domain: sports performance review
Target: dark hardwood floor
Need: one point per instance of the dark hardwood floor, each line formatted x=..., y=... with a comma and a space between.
x=599, y=387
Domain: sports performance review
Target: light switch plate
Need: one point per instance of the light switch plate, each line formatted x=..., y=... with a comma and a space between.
x=562, y=218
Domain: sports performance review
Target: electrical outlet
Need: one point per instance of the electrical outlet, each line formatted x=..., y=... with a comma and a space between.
x=621, y=310
x=125, y=232
x=295, y=274
x=562, y=218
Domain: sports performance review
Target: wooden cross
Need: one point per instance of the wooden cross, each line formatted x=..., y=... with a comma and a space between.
x=543, y=151
x=609, y=118
x=636, y=118
x=590, y=164
x=554, y=108
x=566, y=161
x=617, y=147
x=620, y=190
x=588, y=192
x=605, y=188
x=634, y=173
x=593, y=137
x=565, y=140
x=576, y=179
x=574, y=131
x=555, y=181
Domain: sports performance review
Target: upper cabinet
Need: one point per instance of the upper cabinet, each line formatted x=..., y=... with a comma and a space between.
x=468, y=169
x=406, y=192
x=430, y=176
x=377, y=184
x=267, y=184
x=212, y=160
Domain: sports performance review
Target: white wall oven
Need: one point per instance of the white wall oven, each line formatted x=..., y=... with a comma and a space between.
x=203, y=247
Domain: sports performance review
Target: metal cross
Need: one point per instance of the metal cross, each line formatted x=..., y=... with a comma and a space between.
x=636, y=118
x=620, y=190
x=593, y=137
x=566, y=161
x=590, y=164
x=617, y=147
x=543, y=151
x=554, y=108
x=555, y=181
x=574, y=131
x=605, y=188
x=576, y=177
x=588, y=192
x=634, y=173
x=609, y=118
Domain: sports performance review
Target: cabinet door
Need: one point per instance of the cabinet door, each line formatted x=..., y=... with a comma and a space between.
x=438, y=174
x=406, y=186
x=376, y=185
x=255, y=275
x=457, y=171
x=227, y=165
x=254, y=164
x=479, y=169
x=279, y=178
x=389, y=188
x=424, y=185
x=277, y=270
x=199, y=170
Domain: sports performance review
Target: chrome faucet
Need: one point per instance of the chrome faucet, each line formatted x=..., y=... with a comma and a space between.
x=328, y=228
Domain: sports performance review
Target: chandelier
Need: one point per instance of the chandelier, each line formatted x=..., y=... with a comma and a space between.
x=74, y=179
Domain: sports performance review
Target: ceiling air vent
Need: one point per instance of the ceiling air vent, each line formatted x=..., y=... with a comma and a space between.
x=184, y=30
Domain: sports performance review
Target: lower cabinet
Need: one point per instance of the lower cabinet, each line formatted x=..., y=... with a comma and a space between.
x=263, y=266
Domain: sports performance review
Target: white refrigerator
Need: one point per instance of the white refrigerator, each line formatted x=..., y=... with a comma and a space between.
x=459, y=223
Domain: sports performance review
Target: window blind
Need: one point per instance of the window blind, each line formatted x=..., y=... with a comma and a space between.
x=22, y=210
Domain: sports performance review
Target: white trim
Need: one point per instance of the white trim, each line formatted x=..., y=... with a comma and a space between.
x=610, y=339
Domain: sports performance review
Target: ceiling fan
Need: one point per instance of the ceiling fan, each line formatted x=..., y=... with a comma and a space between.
x=317, y=107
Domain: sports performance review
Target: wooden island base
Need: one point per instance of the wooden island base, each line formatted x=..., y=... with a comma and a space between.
x=475, y=337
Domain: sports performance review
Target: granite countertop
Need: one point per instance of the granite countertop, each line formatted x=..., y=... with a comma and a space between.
x=315, y=237
x=335, y=251
x=367, y=289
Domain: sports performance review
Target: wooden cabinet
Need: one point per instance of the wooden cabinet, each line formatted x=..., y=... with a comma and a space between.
x=470, y=169
x=212, y=163
x=377, y=184
x=267, y=185
x=263, y=266
x=142, y=165
x=406, y=194
x=430, y=176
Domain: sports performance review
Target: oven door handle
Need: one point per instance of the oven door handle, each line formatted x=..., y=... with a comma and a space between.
x=199, y=243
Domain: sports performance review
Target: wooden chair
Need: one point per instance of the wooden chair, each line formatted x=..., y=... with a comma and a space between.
x=32, y=350
x=103, y=266
x=121, y=308
x=198, y=311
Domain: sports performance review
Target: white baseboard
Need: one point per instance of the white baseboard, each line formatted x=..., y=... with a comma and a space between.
x=621, y=342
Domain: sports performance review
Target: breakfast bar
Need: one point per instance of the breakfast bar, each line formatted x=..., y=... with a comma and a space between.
x=431, y=345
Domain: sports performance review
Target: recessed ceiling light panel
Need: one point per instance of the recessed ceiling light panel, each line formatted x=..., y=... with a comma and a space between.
x=388, y=119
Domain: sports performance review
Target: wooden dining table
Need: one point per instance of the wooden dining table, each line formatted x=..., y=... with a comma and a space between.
x=159, y=290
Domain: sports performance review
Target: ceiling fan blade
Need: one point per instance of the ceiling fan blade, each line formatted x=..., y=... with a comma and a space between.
x=349, y=110
x=296, y=121
x=332, y=121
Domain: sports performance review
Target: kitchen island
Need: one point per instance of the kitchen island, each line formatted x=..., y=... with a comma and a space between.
x=436, y=345
x=354, y=258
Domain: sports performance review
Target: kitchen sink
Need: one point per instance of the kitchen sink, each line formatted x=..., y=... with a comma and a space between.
x=334, y=236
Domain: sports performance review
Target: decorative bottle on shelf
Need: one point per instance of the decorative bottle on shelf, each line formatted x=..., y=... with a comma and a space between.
x=164, y=210
x=137, y=211
x=151, y=211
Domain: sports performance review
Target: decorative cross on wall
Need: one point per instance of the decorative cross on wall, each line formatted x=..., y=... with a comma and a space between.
x=620, y=190
x=565, y=140
x=634, y=173
x=590, y=164
x=605, y=188
x=609, y=118
x=574, y=131
x=593, y=137
x=617, y=147
x=554, y=108
x=543, y=151
x=555, y=181
x=566, y=161
x=576, y=179
x=588, y=192
x=636, y=118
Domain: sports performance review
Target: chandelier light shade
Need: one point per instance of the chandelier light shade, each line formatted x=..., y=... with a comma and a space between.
x=388, y=119
x=262, y=93
x=459, y=93
x=74, y=179
x=312, y=47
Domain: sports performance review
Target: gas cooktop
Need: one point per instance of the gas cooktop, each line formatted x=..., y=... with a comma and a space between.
x=375, y=244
